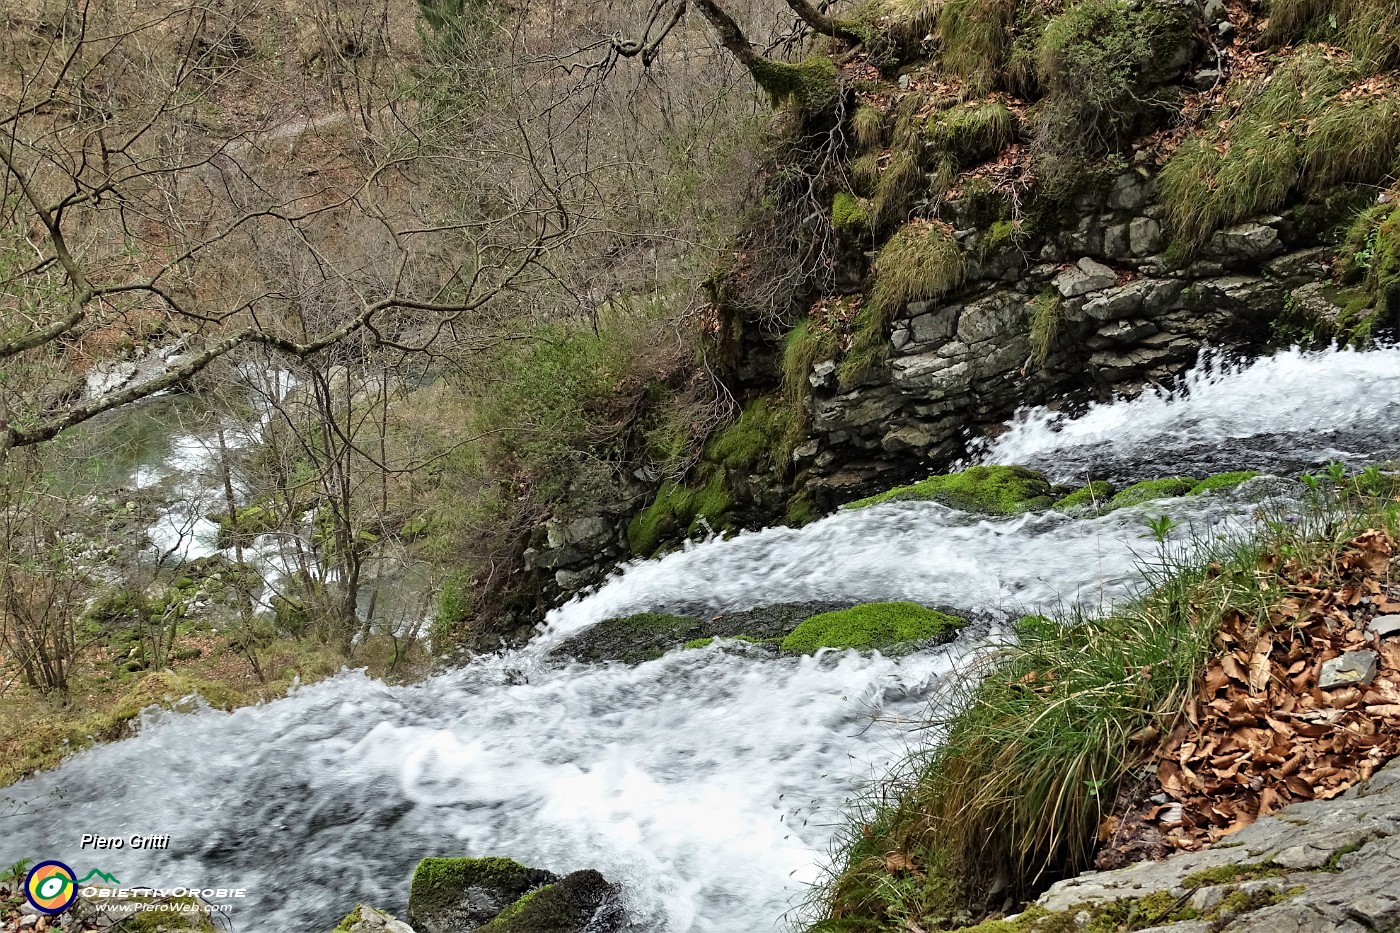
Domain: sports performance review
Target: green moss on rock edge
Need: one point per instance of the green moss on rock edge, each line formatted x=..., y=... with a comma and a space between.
x=1147, y=490
x=870, y=627
x=996, y=490
x=470, y=890
x=1222, y=481
x=808, y=86
x=1094, y=495
x=572, y=903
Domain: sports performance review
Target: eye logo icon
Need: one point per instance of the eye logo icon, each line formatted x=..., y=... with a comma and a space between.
x=51, y=887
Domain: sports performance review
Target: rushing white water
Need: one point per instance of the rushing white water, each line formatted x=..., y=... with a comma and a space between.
x=917, y=551
x=1285, y=412
x=708, y=783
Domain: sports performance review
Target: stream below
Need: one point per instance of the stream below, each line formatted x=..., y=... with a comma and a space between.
x=710, y=784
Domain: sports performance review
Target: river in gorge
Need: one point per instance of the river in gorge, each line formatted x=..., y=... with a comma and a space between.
x=710, y=784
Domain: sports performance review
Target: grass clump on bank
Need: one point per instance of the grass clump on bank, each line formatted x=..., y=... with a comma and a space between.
x=1310, y=124
x=1033, y=752
x=870, y=627
x=921, y=261
x=997, y=490
x=1370, y=29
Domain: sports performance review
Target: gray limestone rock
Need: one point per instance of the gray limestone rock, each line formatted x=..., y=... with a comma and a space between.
x=1338, y=864
x=1384, y=626
x=1248, y=240
x=1352, y=668
x=1084, y=277
x=1144, y=236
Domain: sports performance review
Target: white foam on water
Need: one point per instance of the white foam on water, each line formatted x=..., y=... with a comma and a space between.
x=1332, y=404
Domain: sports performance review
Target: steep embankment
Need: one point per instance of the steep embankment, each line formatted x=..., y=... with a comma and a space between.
x=1025, y=203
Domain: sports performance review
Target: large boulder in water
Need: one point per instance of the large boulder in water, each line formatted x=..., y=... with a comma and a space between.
x=582, y=902
x=499, y=895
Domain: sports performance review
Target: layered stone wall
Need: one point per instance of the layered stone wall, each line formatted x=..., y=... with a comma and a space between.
x=1126, y=316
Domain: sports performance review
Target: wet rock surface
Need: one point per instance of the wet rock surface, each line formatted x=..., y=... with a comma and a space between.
x=1323, y=866
x=649, y=635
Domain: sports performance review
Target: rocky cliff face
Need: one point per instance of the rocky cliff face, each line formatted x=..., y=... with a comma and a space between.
x=1115, y=314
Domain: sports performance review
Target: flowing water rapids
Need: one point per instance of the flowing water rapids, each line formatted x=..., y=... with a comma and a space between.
x=709, y=783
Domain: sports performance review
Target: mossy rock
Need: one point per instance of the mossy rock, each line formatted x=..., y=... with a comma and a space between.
x=746, y=444
x=640, y=637
x=678, y=509
x=871, y=626
x=1222, y=481
x=249, y=521
x=167, y=688
x=581, y=900
x=646, y=636
x=1147, y=490
x=181, y=913
x=995, y=490
x=808, y=86
x=450, y=894
x=1094, y=495
x=848, y=215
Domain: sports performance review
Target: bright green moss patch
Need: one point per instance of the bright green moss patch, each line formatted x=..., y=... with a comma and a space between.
x=352, y=918
x=847, y=214
x=1094, y=495
x=1150, y=489
x=438, y=883
x=748, y=442
x=509, y=917
x=1222, y=481
x=678, y=508
x=1370, y=258
x=998, y=490
x=871, y=626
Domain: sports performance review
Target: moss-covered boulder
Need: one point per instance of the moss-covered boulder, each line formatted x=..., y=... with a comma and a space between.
x=648, y=635
x=450, y=895
x=1222, y=481
x=995, y=490
x=1149, y=489
x=1094, y=495
x=871, y=626
x=583, y=900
